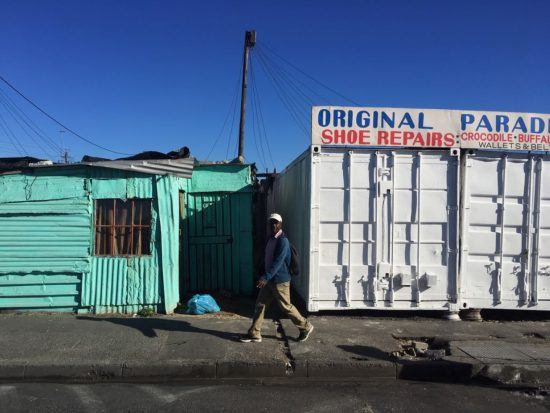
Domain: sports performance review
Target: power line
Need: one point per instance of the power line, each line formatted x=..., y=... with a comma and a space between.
x=291, y=79
x=58, y=122
x=29, y=122
x=285, y=89
x=231, y=128
x=231, y=104
x=309, y=76
x=255, y=117
x=13, y=116
x=260, y=116
x=282, y=96
x=11, y=136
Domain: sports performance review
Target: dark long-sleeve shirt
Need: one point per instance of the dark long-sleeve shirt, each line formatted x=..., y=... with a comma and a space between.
x=278, y=270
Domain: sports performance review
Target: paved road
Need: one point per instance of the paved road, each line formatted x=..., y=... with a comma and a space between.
x=390, y=396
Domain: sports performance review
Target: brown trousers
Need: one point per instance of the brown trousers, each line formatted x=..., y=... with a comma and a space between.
x=281, y=294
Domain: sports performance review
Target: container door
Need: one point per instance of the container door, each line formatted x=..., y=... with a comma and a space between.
x=416, y=228
x=505, y=238
x=388, y=225
x=210, y=241
x=540, y=291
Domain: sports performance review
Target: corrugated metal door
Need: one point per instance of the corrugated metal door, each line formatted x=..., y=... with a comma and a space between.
x=210, y=241
x=388, y=226
x=506, y=231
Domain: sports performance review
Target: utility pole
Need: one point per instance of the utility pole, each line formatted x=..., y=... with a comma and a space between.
x=249, y=41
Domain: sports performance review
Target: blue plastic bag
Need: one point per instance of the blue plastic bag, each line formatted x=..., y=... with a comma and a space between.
x=201, y=304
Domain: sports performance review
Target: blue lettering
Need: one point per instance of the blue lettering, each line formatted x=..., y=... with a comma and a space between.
x=520, y=124
x=421, y=122
x=350, y=118
x=323, y=118
x=484, y=123
x=502, y=123
x=339, y=116
x=390, y=121
x=375, y=119
x=407, y=120
x=363, y=119
x=465, y=120
x=537, y=122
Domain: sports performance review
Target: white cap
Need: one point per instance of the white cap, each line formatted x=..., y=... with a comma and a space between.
x=276, y=217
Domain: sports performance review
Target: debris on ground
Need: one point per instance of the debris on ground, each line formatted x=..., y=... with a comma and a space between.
x=425, y=347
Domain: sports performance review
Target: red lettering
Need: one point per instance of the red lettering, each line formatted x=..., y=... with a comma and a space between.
x=395, y=137
x=340, y=136
x=352, y=136
x=363, y=135
x=418, y=140
x=407, y=136
x=449, y=139
x=383, y=137
x=326, y=136
x=436, y=139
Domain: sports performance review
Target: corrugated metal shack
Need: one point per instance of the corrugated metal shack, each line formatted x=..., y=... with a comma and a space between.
x=116, y=236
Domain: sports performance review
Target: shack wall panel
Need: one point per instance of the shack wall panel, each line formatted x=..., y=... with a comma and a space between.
x=35, y=187
x=40, y=291
x=44, y=235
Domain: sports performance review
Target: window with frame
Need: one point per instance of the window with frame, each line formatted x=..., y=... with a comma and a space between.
x=122, y=227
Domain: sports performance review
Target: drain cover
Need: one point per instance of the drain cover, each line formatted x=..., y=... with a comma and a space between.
x=537, y=352
x=493, y=350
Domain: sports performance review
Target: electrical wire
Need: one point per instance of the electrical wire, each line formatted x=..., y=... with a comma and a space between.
x=231, y=129
x=285, y=76
x=291, y=100
x=280, y=94
x=260, y=116
x=30, y=123
x=14, y=117
x=307, y=75
x=295, y=94
x=58, y=122
x=256, y=118
x=231, y=104
x=11, y=136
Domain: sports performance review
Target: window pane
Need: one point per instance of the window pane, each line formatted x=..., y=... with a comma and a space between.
x=142, y=212
x=104, y=211
x=103, y=241
x=123, y=212
x=123, y=241
x=142, y=241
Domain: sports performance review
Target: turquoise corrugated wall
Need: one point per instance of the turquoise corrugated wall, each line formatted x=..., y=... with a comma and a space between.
x=46, y=243
x=218, y=225
x=46, y=239
x=45, y=226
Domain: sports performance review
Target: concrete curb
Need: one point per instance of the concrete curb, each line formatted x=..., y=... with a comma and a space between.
x=515, y=374
x=422, y=370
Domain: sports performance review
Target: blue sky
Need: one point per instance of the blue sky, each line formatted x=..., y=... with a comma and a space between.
x=157, y=75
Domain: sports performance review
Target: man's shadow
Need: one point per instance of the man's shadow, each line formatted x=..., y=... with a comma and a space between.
x=366, y=352
x=148, y=326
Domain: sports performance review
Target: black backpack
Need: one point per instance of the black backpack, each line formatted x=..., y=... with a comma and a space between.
x=294, y=266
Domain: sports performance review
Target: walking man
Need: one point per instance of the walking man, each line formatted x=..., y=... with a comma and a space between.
x=275, y=285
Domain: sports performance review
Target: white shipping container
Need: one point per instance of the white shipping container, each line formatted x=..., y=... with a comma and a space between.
x=505, y=235
x=374, y=228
